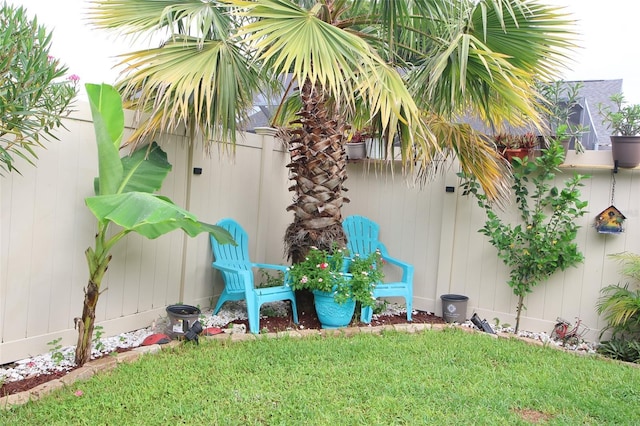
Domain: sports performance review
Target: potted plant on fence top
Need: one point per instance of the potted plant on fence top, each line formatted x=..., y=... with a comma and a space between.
x=510, y=145
x=356, y=146
x=624, y=123
x=337, y=282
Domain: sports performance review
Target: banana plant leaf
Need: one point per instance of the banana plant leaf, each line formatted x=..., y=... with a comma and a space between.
x=108, y=124
x=125, y=186
x=150, y=215
x=145, y=169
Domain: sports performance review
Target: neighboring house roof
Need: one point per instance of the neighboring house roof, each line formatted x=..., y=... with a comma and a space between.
x=592, y=94
x=265, y=106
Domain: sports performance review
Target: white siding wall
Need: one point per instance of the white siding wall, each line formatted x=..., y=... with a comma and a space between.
x=45, y=228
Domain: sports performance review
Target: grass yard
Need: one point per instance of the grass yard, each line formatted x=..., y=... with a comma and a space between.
x=433, y=377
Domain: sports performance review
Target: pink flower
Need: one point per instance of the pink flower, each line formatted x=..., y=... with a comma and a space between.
x=78, y=393
x=74, y=78
x=304, y=279
x=324, y=265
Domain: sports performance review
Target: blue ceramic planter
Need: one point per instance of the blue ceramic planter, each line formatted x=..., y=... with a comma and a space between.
x=330, y=313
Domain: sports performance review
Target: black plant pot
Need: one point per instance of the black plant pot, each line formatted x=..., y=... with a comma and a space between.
x=181, y=319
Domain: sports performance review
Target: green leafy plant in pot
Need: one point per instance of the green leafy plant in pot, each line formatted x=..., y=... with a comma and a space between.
x=332, y=273
x=511, y=145
x=624, y=123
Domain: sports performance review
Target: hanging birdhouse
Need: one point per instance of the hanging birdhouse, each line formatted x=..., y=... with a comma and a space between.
x=610, y=221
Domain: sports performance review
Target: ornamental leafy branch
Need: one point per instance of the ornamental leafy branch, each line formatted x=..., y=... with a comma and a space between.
x=542, y=239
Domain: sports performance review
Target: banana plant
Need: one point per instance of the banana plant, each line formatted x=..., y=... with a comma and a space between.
x=125, y=197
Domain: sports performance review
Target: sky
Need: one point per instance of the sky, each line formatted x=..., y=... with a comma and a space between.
x=608, y=33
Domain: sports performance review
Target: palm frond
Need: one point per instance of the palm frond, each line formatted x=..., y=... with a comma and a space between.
x=203, y=20
x=620, y=306
x=488, y=66
x=212, y=83
x=290, y=39
x=630, y=264
x=476, y=155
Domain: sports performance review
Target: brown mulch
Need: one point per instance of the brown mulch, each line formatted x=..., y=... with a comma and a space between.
x=31, y=382
x=307, y=320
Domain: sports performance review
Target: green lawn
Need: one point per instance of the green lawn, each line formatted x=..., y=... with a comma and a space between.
x=433, y=377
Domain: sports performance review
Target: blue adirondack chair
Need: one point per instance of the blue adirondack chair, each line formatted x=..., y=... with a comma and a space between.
x=237, y=272
x=362, y=238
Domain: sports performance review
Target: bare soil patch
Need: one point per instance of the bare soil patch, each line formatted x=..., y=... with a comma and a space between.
x=533, y=416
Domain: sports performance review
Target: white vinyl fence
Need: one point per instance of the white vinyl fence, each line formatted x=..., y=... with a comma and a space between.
x=46, y=228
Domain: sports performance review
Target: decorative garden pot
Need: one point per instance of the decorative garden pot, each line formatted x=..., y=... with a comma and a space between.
x=626, y=150
x=520, y=153
x=356, y=150
x=330, y=313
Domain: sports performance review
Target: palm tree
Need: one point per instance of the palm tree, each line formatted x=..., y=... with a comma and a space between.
x=408, y=70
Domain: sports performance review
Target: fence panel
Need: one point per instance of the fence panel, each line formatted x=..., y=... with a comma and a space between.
x=45, y=228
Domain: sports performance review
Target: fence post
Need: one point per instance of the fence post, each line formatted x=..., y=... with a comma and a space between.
x=264, y=198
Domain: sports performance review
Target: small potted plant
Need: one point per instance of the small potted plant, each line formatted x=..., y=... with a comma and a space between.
x=356, y=146
x=624, y=122
x=511, y=146
x=337, y=282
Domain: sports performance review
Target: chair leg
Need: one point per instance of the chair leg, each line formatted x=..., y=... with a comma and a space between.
x=366, y=313
x=253, y=313
x=294, y=310
x=409, y=300
x=221, y=300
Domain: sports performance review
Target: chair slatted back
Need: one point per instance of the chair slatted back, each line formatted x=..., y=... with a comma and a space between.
x=228, y=255
x=362, y=235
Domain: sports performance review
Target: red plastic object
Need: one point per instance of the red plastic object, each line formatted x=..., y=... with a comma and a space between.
x=156, y=339
x=211, y=331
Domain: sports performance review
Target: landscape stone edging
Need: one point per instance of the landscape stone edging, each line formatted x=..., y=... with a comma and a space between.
x=109, y=363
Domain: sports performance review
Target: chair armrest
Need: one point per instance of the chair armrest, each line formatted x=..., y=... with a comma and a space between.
x=407, y=269
x=282, y=268
x=232, y=270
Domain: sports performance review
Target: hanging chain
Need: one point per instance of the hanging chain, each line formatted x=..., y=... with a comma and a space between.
x=613, y=187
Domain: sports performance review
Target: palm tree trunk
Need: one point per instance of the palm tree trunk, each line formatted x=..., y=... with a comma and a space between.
x=318, y=169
